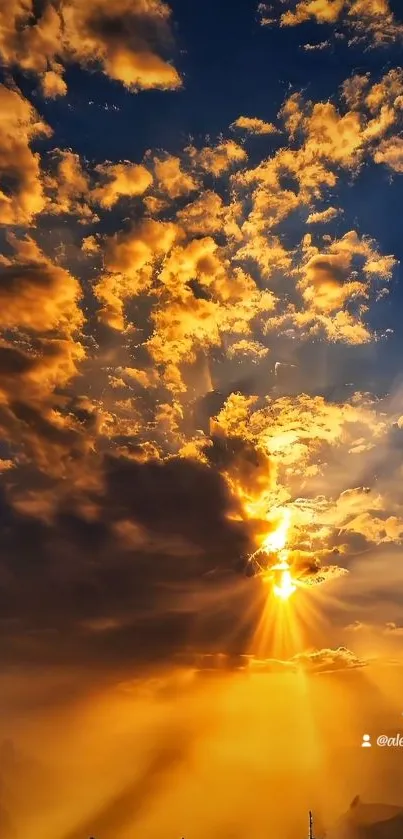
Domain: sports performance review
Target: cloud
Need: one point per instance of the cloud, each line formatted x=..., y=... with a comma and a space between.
x=247, y=466
x=311, y=444
x=122, y=41
x=90, y=245
x=329, y=280
x=217, y=159
x=171, y=179
x=253, y=125
x=161, y=558
x=176, y=378
x=323, y=216
x=390, y=152
x=189, y=323
x=129, y=259
x=324, y=574
x=362, y=19
x=317, y=662
x=336, y=137
x=121, y=180
x=332, y=283
x=393, y=629
x=75, y=190
x=37, y=295
x=377, y=530
x=53, y=85
x=325, y=11
x=251, y=349
x=129, y=42
x=21, y=190
x=68, y=186
x=327, y=139
x=28, y=42
x=329, y=661
x=32, y=420
x=324, y=140
x=203, y=216
x=322, y=45
x=40, y=308
x=200, y=291
x=354, y=89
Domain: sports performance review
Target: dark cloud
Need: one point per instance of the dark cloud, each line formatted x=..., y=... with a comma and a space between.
x=128, y=583
x=245, y=462
x=177, y=496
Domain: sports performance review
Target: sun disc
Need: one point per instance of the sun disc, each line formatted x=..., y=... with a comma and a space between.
x=285, y=586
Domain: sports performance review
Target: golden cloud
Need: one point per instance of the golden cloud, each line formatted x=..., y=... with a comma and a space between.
x=390, y=152
x=331, y=281
x=357, y=510
x=36, y=294
x=298, y=432
x=90, y=245
x=53, y=85
x=172, y=179
x=324, y=11
x=127, y=42
x=354, y=88
x=31, y=46
x=129, y=260
x=323, y=216
x=329, y=661
x=331, y=285
x=253, y=125
x=40, y=308
x=53, y=364
x=121, y=180
x=376, y=529
x=203, y=216
x=326, y=286
x=217, y=159
x=388, y=91
x=68, y=187
x=269, y=254
x=185, y=324
x=364, y=19
x=21, y=192
x=315, y=662
x=32, y=420
x=327, y=140
x=251, y=349
x=337, y=138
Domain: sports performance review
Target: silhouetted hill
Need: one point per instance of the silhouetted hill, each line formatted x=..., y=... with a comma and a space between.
x=369, y=821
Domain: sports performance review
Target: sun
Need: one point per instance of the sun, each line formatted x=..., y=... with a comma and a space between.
x=283, y=586
x=273, y=545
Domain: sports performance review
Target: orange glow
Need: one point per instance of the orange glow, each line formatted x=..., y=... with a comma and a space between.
x=274, y=543
x=276, y=540
x=285, y=586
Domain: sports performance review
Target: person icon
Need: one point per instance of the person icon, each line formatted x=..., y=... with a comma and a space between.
x=366, y=741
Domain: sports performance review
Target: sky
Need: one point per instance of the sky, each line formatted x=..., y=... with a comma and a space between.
x=201, y=300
